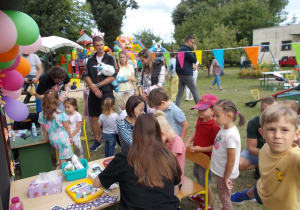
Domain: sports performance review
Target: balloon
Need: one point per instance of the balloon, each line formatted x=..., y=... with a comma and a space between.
x=116, y=89
x=27, y=29
x=114, y=83
x=4, y=65
x=119, y=79
x=11, y=80
x=33, y=47
x=15, y=109
x=15, y=64
x=8, y=35
x=10, y=54
x=124, y=79
x=23, y=67
x=13, y=94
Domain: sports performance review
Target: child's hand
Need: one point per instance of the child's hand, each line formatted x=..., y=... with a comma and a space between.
x=228, y=184
x=71, y=141
x=195, y=149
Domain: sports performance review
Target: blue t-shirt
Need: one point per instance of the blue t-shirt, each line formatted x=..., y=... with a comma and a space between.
x=175, y=117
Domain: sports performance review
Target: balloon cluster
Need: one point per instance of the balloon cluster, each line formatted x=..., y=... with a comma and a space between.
x=119, y=79
x=19, y=34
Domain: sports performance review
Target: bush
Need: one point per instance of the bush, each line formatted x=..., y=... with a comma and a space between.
x=253, y=73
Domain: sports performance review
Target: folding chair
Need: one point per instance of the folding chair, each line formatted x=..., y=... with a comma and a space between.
x=190, y=187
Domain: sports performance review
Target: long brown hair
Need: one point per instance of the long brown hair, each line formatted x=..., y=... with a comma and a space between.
x=145, y=53
x=73, y=102
x=50, y=104
x=108, y=106
x=152, y=161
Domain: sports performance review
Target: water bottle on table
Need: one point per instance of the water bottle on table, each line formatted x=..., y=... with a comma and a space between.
x=16, y=204
x=33, y=130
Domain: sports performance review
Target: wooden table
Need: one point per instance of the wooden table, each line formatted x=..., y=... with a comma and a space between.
x=267, y=74
x=35, y=155
x=20, y=188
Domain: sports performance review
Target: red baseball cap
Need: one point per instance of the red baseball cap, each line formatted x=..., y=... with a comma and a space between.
x=205, y=102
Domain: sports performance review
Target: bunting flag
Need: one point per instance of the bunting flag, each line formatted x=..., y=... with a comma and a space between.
x=132, y=57
x=297, y=51
x=154, y=55
x=180, y=56
x=199, y=56
x=219, y=55
x=167, y=57
x=252, y=53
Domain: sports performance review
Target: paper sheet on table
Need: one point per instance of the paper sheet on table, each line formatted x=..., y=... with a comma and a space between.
x=47, y=177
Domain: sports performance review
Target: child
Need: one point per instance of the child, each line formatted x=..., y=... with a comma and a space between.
x=55, y=126
x=226, y=150
x=172, y=78
x=172, y=141
x=73, y=87
x=203, y=139
x=122, y=99
x=108, y=119
x=159, y=99
x=279, y=161
x=75, y=123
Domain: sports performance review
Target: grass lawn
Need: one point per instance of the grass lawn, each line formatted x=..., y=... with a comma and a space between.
x=237, y=90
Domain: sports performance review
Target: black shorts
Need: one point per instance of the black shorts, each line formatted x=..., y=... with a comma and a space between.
x=256, y=195
x=95, y=103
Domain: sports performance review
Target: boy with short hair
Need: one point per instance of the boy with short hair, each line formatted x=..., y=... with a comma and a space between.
x=203, y=139
x=159, y=99
x=279, y=162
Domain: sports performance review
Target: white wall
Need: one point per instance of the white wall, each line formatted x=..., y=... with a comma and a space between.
x=275, y=36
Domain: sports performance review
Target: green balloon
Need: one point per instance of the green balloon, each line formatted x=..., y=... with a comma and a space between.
x=4, y=65
x=27, y=29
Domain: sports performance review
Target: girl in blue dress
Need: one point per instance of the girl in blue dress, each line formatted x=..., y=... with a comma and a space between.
x=55, y=125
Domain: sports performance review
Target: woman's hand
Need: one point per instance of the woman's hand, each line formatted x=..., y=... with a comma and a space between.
x=144, y=96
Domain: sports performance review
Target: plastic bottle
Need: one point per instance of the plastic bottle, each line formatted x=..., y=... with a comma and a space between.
x=12, y=135
x=16, y=204
x=33, y=130
x=76, y=162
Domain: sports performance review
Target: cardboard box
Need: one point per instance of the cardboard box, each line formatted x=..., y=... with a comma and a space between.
x=42, y=189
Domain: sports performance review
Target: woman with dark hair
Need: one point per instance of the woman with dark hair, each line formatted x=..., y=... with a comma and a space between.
x=153, y=73
x=148, y=173
x=134, y=107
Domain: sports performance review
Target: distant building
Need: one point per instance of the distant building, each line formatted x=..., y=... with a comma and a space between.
x=279, y=39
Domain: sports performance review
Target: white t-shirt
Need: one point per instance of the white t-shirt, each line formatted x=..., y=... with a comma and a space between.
x=99, y=59
x=229, y=138
x=109, y=123
x=122, y=115
x=34, y=60
x=74, y=119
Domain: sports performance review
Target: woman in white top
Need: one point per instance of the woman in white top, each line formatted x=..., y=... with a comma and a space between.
x=127, y=71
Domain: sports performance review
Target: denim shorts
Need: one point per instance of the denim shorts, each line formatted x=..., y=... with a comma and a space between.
x=252, y=159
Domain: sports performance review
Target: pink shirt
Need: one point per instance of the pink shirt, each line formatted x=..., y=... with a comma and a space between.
x=177, y=147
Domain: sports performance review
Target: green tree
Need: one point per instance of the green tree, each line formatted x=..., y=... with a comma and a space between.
x=146, y=36
x=63, y=18
x=109, y=14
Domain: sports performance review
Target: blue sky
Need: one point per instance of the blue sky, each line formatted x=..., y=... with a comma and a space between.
x=156, y=16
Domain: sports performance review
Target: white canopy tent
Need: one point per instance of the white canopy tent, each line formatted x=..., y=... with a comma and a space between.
x=51, y=43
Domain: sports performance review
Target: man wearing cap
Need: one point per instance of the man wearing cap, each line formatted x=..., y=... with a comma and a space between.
x=203, y=139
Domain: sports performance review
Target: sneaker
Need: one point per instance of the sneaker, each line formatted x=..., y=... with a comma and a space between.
x=202, y=207
x=26, y=99
x=221, y=89
x=191, y=98
x=96, y=146
x=196, y=198
x=210, y=88
x=187, y=99
x=240, y=197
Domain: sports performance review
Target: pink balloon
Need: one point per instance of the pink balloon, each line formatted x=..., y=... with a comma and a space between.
x=15, y=109
x=8, y=35
x=15, y=64
x=33, y=47
x=13, y=94
x=11, y=80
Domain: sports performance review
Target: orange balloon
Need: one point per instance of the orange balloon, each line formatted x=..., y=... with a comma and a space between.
x=10, y=54
x=77, y=76
x=23, y=67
